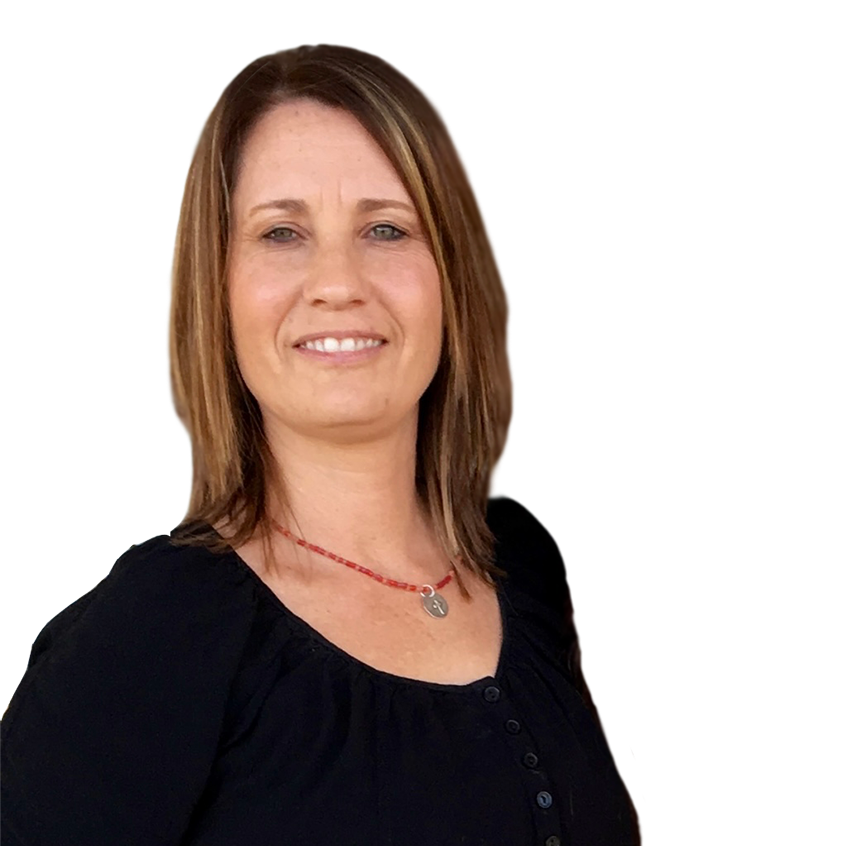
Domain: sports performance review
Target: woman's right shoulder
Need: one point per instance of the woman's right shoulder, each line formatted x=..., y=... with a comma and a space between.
x=155, y=584
x=130, y=681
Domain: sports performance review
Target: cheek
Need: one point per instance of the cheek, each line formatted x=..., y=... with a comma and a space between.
x=256, y=302
x=257, y=295
x=413, y=286
x=421, y=325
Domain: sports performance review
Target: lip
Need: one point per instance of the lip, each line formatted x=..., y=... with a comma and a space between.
x=350, y=357
x=339, y=333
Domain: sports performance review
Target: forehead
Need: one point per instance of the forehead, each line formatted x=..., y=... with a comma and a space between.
x=315, y=152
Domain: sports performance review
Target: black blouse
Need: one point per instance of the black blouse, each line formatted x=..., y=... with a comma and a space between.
x=180, y=702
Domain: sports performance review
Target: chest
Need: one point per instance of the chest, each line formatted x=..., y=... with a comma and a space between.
x=389, y=630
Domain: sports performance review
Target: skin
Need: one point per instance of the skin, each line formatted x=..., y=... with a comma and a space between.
x=345, y=436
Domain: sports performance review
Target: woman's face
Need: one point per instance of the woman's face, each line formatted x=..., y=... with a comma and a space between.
x=326, y=244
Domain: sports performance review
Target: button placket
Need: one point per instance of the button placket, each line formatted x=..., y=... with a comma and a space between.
x=543, y=798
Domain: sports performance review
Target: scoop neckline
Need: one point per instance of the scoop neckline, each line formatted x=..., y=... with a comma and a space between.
x=317, y=637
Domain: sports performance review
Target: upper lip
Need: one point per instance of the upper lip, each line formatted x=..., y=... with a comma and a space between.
x=339, y=333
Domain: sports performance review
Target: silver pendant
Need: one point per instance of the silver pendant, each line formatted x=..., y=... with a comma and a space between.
x=434, y=603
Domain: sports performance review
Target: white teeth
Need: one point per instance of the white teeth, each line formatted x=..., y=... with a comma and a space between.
x=343, y=345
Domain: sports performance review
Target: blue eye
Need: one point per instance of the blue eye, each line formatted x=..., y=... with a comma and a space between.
x=400, y=234
x=289, y=236
x=391, y=233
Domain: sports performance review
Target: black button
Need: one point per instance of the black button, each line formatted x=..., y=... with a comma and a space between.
x=513, y=726
x=491, y=694
x=552, y=840
x=544, y=799
x=531, y=759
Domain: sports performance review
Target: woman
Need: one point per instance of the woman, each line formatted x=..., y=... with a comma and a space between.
x=345, y=640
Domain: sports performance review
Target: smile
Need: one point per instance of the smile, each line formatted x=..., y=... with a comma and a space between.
x=331, y=350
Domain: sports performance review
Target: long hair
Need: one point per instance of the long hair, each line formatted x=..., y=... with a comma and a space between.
x=464, y=413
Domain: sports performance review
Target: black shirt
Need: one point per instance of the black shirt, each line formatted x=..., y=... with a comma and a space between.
x=180, y=702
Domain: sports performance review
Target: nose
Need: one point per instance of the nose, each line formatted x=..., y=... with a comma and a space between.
x=335, y=278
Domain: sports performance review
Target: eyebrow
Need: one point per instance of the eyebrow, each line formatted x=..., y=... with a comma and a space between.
x=366, y=204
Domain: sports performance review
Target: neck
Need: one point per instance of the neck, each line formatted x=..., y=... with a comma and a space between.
x=370, y=531
x=357, y=500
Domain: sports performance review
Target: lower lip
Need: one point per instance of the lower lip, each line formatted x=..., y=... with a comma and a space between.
x=349, y=357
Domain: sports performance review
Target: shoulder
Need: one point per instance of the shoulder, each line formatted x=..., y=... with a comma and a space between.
x=511, y=519
x=157, y=591
x=525, y=548
x=130, y=681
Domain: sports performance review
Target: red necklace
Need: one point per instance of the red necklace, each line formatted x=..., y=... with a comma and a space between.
x=434, y=603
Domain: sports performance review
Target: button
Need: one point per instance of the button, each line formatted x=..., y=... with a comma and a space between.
x=544, y=799
x=513, y=726
x=531, y=759
x=491, y=694
x=552, y=840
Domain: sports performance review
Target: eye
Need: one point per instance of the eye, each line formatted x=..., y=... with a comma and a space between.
x=387, y=232
x=280, y=234
x=399, y=233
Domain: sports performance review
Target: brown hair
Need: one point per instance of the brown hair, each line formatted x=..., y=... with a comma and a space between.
x=464, y=413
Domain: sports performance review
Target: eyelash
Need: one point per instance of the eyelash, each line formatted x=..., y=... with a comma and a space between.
x=401, y=234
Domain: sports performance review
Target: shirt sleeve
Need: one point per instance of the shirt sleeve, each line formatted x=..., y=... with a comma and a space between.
x=112, y=732
x=540, y=571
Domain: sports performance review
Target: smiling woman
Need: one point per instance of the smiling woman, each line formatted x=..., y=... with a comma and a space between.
x=339, y=360
x=344, y=257
x=309, y=159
